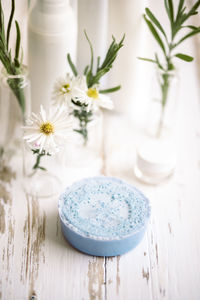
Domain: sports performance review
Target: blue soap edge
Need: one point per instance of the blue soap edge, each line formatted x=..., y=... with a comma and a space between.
x=102, y=247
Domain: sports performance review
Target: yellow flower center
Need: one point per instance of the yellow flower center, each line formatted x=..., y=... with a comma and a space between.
x=93, y=93
x=47, y=128
x=65, y=88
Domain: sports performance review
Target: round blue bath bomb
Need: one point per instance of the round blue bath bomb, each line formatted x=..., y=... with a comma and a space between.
x=103, y=216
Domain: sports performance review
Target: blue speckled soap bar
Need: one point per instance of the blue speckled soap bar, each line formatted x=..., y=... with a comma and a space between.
x=103, y=216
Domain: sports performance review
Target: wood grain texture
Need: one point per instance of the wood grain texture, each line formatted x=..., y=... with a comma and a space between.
x=37, y=263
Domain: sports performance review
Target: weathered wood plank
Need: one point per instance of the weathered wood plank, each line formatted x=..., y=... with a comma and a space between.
x=36, y=260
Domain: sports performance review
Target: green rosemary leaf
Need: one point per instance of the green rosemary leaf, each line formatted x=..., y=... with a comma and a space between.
x=147, y=59
x=17, y=46
x=85, y=70
x=72, y=66
x=10, y=22
x=184, y=57
x=171, y=11
x=78, y=130
x=193, y=11
x=110, y=90
x=190, y=27
x=35, y=151
x=98, y=63
x=155, y=21
x=91, y=51
x=2, y=28
x=158, y=62
x=155, y=34
x=107, y=63
x=167, y=8
x=78, y=103
x=180, y=7
x=194, y=8
x=112, y=53
x=42, y=168
x=95, y=79
x=89, y=79
x=187, y=36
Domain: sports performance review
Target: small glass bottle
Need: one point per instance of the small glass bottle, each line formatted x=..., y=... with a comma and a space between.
x=86, y=156
x=156, y=153
x=41, y=175
x=15, y=106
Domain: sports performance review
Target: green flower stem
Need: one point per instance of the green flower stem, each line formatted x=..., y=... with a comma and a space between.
x=15, y=85
x=84, y=118
x=37, y=163
x=38, y=159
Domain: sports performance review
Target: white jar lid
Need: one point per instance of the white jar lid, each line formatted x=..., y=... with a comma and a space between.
x=156, y=157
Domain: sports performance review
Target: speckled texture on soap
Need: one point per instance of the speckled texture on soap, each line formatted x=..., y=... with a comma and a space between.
x=104, y=208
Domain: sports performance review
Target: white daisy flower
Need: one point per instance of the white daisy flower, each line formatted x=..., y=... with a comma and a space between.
x=48, y=131
x=92, y=97
x=96, y=99
x=65, y=89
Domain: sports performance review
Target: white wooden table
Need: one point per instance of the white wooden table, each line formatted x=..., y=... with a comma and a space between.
x=37, y=263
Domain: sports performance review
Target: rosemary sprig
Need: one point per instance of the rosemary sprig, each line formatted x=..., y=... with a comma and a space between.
x=168, y=44
x=93, y=77
x=12, y=65
x=84, y=116
x=38, y=159
x=102, y=69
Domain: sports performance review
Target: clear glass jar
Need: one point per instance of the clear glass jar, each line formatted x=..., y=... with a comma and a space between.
x=163, y=103
x=156, y=153
x=78, y=155
x=15, y=106
x=45, y=181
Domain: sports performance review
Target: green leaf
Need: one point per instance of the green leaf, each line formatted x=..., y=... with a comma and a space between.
x=155, y=21
x=98, y=62
x=2, y=27
x=110, y=90
x=187, y=36
x=147, y=59
x=10, y=22
x=158, y=62
x=180, y=6
x=112, y=53
x=184, y=57
x=191, y=27
x=167, y=8
x=72, y=66
x=171, y=11
x=17, y=46
x=194, y=8
x=192, y=11
x=155, y=34
x=106, y=64
x=42, y=168
x=91, y=50
x=85, y=70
